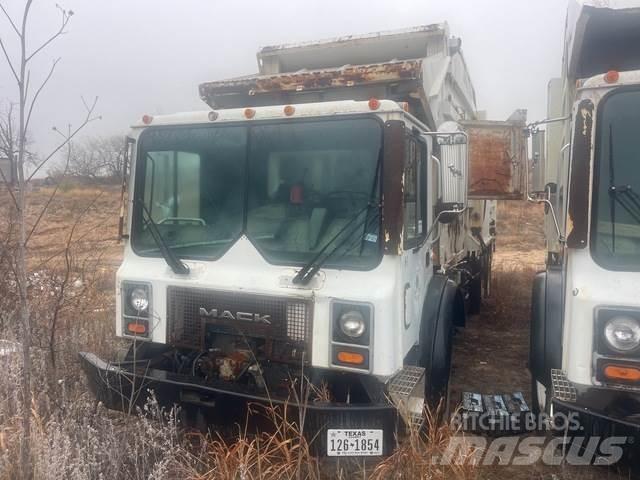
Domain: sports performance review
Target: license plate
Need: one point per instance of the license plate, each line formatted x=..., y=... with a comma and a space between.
x=354, y=443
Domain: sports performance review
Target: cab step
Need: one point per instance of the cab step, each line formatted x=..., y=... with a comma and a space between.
x=406, y=391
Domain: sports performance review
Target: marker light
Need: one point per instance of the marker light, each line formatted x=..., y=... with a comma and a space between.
x=627, y=374
x=213, y=116
x=374, y=104
x=405, y=106
x=249, y=113
x=137, y=328
x=289, y=110
x=147, y=119
x=351, y=357
x=612, y=76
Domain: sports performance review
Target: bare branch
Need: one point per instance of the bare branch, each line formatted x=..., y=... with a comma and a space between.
x=27, y=83
x=65, y=281
x=51, y=197
x=9, y=189
x=65, y=20
x=6, y=56
x=13, y=25
x=88, y=119
x=35, y=96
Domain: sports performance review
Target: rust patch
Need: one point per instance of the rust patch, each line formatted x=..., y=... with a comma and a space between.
x=495, y=158
x=347, y=76
x=578, y=218
x=392, y=186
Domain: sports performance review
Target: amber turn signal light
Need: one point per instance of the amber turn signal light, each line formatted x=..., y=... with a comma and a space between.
x=351, y=357
x=137, y=328
x=626, y=374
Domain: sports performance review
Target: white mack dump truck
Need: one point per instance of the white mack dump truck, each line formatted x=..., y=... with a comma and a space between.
x=585, y=329
x=320, y=224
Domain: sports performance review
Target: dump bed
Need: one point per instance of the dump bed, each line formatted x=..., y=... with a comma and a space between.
x=422, y=67
x=601, y=35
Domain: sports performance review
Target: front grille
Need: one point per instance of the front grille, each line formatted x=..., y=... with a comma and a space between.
x=286, y=331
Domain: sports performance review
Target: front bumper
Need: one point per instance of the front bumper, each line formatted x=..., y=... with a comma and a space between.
x=619, y=406
x=121, y=387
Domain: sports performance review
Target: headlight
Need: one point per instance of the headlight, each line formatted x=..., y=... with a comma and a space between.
x=139, y=299
x=622, y=333
x=352, y=324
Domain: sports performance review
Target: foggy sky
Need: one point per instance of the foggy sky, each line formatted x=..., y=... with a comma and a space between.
x=148, y=56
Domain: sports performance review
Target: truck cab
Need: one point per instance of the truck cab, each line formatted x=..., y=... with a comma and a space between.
x=310, y=239
x=585, y=354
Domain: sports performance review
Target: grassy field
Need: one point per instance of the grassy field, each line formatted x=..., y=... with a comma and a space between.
x=74, y=253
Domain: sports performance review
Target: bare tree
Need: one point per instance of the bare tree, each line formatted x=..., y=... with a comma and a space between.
x=9, y=140
x=19, y=64
x=94, y=158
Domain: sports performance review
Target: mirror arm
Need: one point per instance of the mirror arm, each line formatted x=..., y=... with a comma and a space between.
x=437, y=160
x=532, y=127
x=552, y=210
x=437, y=220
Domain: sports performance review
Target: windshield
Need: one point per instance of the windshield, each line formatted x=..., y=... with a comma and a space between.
x=289, y=187
x=616, y=229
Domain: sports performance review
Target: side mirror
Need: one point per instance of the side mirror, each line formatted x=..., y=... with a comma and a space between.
x=454, y=163
x=538, y=161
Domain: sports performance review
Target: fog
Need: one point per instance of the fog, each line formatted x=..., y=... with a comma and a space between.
x=148, y=56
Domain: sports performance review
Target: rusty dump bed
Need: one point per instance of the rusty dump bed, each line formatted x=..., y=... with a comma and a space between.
x=392, y=80
x=422, y=66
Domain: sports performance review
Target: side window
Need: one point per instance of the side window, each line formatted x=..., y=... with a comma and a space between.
x=415, y=193
x=173, y=185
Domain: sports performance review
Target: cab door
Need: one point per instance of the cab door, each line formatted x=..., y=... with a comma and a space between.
x=416, y=248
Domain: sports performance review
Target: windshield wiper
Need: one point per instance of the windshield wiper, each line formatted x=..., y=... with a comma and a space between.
x=612, y=190
x=174, y=262
x=307, y=272
x=628, y=199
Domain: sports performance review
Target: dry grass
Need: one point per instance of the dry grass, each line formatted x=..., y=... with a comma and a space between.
x=421, y=452
x=75, y=438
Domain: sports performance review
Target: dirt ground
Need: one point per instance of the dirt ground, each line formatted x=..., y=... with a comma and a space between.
x=491, y=353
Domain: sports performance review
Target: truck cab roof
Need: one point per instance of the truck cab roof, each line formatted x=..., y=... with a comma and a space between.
x=275, y=112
